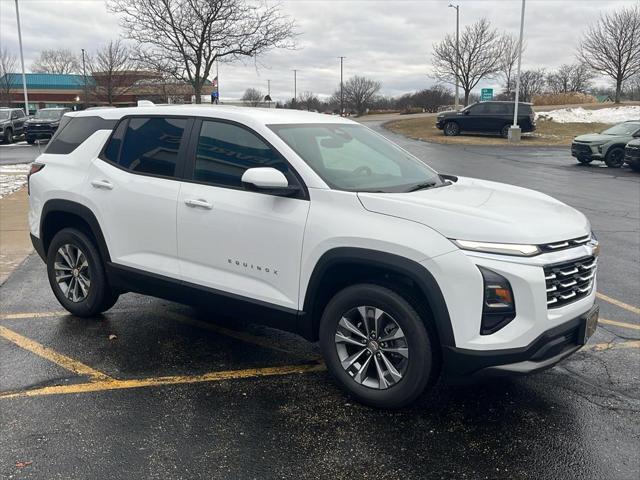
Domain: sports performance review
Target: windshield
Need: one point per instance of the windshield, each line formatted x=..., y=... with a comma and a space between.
x=354, y=158
x=4, y=114
x=622, y=129
x=48, y=114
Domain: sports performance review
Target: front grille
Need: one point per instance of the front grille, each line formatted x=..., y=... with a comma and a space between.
x=564, y=244
x=570, y=281
x=581, y=148
x=632, y=151
x=41, y=128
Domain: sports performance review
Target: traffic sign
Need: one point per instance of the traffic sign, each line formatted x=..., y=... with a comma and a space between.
x=486, y=94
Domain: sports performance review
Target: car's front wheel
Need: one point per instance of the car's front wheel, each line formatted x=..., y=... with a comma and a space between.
x=377, y=346
x=31, y=140
x=76, y=274
x=8, y=136
x=614, y=157
x=451, y=129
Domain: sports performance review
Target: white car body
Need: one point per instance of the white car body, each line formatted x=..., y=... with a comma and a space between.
x=265, y=248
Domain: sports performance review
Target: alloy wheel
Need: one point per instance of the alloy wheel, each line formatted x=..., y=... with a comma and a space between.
x=372, y=347
x=72, y=273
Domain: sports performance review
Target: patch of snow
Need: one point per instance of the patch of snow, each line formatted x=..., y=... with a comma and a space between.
x=581, y=115
x=12, y=178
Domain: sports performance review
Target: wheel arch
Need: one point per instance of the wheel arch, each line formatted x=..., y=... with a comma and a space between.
x=58, y=214
x=342, y=266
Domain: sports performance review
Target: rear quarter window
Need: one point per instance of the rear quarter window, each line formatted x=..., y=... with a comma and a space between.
x=75, y=130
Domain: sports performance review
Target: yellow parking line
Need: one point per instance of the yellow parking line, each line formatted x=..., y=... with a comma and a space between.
x=613, y=346
x=45, y=352
x=112, y=384
x=60, y=313
x=618, y=303
x=632, y=326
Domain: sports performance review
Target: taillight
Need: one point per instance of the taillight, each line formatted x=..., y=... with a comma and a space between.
x=35, y=168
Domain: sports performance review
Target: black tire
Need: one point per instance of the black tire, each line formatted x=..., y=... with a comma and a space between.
x=585, y=160
x=451, y=129
x=31, y=141
x=614, y=157
x=635, y=166
x=8, y=136
x=505, y=131
x=99, y=297
x=420, y=368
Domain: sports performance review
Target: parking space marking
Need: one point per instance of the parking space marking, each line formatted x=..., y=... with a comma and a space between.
x=113, y=384
x=47, y=353
x=618, y=303
x=632, y=326
x=59, y=313
x=598, y=347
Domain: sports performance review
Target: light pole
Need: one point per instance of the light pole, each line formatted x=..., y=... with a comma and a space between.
x=24, y=77
x=457, y=7
x=341, y=88
x=295, y=88
x=84, y=74
x=269, y=92
x=514, y=131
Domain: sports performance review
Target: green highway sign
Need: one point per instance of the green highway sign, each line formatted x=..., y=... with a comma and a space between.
x=486, y=94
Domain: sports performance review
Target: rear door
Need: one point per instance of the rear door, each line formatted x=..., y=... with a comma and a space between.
x=134, y=187
x=232, y=239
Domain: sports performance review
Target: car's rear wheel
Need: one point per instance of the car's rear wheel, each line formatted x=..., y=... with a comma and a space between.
x=8, y=136
x=451, y=129
x=505, y=131
x=377, y=346
x=76, y=274
x=614, y=157
x=585, y=160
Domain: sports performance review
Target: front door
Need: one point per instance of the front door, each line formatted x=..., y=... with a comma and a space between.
x=233, y=240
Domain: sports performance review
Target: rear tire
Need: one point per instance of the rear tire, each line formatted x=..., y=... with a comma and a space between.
x=614, y=157
x=505, y=131
x=388, y=368
x=76, y=274
x=451, y=129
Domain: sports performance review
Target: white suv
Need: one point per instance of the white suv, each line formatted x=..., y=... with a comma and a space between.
x=320, y=226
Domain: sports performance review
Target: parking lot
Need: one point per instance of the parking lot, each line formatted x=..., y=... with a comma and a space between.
x=159, y=390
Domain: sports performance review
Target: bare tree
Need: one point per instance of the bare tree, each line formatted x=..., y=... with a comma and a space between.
x=114, y=72
x=632, y=87
x=308, y=101
x=532, y=82
x=481, y=56
x=252, y=97
x=510, y=52
x=611, y=46
x=359, y=92
x=59, y=61
x=186, y=37
x=570, y=78
x=8, y=63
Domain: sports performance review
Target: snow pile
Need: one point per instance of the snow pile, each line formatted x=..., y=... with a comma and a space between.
x=12, y=178
x=603, y=115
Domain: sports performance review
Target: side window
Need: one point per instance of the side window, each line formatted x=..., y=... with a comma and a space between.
x=112, y=150
x=225, y=151
x=151, y=145
x=72, y=133
x=479, y=109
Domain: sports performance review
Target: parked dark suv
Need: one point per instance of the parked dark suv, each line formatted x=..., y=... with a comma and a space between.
x=487, y=117
x=632, y=154
x=11, y=124
x=44, y=124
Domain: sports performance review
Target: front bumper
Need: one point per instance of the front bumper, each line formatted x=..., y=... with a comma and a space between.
x=39, y=134
x=583, y=150
x=544, y=352
x=632, y=155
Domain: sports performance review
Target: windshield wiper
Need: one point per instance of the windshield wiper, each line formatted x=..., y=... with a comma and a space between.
x=421, y=186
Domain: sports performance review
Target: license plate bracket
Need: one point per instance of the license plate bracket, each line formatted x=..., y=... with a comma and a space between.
x=589, y=325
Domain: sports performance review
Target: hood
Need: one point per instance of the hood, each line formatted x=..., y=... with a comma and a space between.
x=484, y=211
x=43, y=120
x=447, y=113
x=598, y=138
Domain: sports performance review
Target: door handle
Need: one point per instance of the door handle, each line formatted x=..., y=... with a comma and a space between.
x=107, y=185
x=198, y=203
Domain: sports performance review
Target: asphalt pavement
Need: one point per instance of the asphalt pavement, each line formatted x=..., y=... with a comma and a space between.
x=158, y=390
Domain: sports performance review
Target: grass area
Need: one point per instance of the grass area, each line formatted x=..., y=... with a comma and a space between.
x=547, y=134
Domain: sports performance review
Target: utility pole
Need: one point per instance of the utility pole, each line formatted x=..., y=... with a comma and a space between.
x=24, y=77
x=341, y=88
x=269, y=91
x=457, y=99
x=84, y=74
x=217, y=83
x=295, y=87
x=514, y=131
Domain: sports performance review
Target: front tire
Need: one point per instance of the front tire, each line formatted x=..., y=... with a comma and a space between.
x=635, y=166
x=8, y=136
x=451, y=129
x=614, y=157
x=76, y=274
x=377, y=346
x=31, y=141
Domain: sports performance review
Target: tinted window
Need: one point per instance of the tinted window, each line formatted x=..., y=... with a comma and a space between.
x=225, y=151
x=151, y=145
x=74, y=131
x=479, y=109
x=112, y=150
x=497, y=109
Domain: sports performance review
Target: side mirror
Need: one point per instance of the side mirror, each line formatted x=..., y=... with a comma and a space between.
x=268, y=179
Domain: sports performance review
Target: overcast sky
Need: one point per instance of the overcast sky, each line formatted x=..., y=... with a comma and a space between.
x=390, y=41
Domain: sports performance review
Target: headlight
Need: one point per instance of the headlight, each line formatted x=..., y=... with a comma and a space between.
x=499, y=306
x=600, y=148
x=501, y=248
